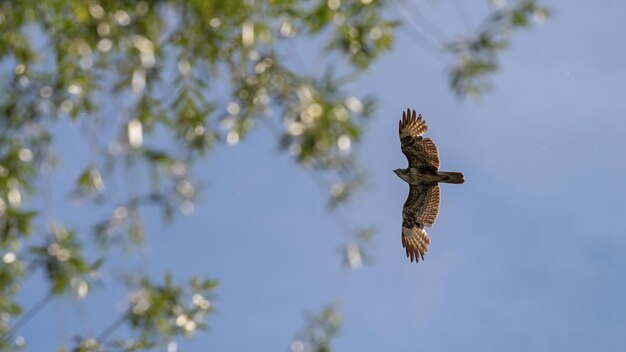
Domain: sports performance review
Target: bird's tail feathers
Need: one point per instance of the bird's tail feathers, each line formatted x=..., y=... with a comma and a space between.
x=451, y=177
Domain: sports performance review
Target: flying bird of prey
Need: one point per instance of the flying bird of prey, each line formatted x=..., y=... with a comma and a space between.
x=423, y=176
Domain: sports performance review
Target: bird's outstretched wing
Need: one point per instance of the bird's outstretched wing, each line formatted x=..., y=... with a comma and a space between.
x=420, y=152
x=420, y=210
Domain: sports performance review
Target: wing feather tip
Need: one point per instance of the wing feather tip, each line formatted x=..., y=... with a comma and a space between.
x=412, y=124
x=415, y=243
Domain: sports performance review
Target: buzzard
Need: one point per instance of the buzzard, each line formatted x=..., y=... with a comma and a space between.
x=423, y=176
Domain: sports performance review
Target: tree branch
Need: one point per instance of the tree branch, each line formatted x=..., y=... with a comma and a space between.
x=28, y=316
x=104, y=335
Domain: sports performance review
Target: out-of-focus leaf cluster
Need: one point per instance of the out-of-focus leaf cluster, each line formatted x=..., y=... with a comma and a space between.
x=358, y=31
x=11, y=272
x=318, y=334
x=165, y=311
x=63, y=260
x=478, y=55
x=23, y=142
x=160, y=313
x=155, y=85
x=358, y=250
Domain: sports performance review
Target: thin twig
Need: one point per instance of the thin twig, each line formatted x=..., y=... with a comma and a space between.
x=28, y=316
x=432, y=48
x=104, y=335
x=427, y=25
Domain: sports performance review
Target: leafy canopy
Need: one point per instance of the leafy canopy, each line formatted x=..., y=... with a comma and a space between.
x=160, y=84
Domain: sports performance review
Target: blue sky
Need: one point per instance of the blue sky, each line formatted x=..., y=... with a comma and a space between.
x=527, y=255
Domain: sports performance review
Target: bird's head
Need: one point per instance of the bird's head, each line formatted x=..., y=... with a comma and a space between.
x=400, y=172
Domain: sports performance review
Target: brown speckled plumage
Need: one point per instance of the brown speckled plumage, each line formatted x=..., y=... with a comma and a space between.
x=422, y=205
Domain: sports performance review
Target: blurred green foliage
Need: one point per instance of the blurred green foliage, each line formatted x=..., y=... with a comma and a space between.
x=478, y=54
x=319, y=332
x=159, y=84
x=62, y=258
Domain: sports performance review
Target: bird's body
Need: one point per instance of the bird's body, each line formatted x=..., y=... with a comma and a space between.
x=423, y=176
x=415, y=176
